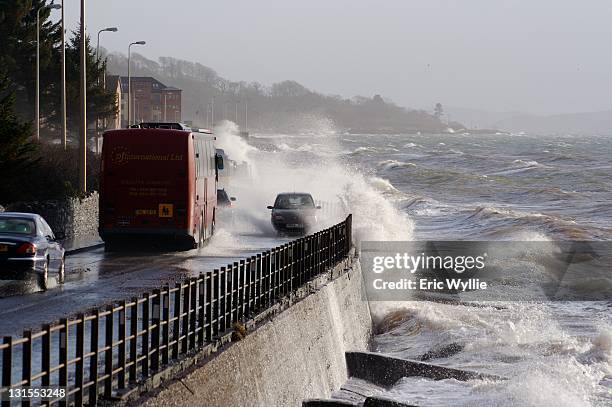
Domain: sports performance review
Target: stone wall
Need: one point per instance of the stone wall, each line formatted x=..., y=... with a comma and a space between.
x=76, y=219
x=296, y=355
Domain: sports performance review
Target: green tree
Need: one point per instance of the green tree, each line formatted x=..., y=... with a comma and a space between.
x=18, y=54
x=288, y=89
x=101, y=103
x=16, y=147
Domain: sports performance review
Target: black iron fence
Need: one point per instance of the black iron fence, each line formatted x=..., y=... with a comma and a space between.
x=99, y=355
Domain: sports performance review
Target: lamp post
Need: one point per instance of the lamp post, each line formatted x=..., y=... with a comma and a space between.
x=51, y=7
x=63, y=81
x=212, y=113
x=83, y=107
x=246, y=115
x=129, y=95
x=109, y=29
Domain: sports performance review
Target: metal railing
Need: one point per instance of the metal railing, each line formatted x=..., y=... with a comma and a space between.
x=98, y=355
x=332, y=210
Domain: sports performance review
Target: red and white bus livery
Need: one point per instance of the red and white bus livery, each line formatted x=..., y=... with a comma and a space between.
x=159, y=183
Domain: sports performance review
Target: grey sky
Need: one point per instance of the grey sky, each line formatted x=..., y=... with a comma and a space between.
x=540, y=56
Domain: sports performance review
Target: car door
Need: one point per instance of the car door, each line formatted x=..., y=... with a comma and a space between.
x=54, y=248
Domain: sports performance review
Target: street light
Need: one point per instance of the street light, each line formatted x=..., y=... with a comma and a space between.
x=51, y=7
x=63, y=80
x=109, y=29
x=83, y=104
x=212, y=112
x=114, y=30
x=246, y=115
x=129, y=95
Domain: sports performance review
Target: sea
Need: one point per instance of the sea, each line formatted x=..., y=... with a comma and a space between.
x=482, y=187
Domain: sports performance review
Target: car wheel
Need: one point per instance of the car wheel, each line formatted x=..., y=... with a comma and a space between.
x=61, y=276
x=43, y=279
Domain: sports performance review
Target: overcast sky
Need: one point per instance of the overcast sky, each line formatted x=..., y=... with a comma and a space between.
x=539, y=56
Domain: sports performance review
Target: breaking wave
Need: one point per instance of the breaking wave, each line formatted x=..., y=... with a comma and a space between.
x=393, y=164
x=277, y=168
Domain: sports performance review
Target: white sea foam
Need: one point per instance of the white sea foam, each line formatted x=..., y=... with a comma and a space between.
x=551, y=354
x=363, y=149
x=375, y=216
x=392, y=164
x=528, y=163
x=523, y=342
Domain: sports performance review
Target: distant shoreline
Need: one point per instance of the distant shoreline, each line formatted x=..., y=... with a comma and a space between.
x=413, y=131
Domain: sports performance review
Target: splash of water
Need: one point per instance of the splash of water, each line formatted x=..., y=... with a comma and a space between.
x=296, y=165
x=236, y=148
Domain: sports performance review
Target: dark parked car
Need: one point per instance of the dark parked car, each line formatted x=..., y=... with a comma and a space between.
x=223, y=199
x=294, y=213
x=29, y=248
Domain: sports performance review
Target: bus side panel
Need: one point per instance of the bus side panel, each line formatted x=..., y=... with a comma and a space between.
x=193, y=219
x=199, y=202
x=212, y=184
x=205, y=182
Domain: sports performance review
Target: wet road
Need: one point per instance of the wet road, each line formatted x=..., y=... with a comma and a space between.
x=95, y=278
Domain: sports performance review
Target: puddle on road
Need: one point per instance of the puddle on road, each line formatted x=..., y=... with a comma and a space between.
x=10, y=288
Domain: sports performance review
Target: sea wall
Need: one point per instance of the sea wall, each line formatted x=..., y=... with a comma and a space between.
x=75, y=218
x=295, y=354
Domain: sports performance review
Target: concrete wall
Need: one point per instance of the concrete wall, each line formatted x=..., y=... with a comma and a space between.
x=298, y=354
x=76, y=218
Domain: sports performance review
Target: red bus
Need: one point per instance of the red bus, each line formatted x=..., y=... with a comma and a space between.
x=159, y=183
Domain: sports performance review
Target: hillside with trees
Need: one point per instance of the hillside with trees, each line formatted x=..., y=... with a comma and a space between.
x=284, y=107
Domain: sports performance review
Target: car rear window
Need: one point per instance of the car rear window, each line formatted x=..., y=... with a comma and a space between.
x=17, y=226
x=294, y=201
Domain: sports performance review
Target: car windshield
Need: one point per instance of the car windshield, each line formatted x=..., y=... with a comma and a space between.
x=17, y=226
x=294, y=201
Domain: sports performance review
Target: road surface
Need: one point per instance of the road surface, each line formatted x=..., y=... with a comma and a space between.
x=95, y=278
